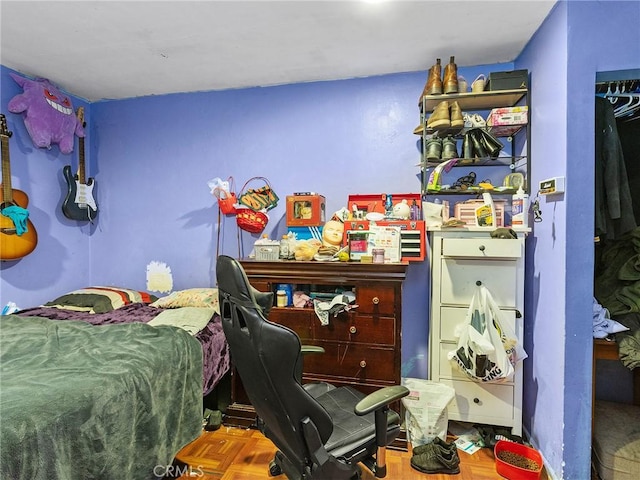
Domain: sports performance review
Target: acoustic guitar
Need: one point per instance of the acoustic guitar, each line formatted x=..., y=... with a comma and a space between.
x=12, y=245
x=79, y=203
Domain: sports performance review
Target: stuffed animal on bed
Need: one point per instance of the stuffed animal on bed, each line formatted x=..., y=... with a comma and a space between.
x=48, y=113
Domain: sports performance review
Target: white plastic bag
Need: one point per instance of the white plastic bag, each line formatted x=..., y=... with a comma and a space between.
x=488, y=349
x=426, y=410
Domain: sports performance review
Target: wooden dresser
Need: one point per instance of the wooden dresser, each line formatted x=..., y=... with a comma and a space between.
x=362, y=346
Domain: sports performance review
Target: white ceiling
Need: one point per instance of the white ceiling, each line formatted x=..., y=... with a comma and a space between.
x=121, y=49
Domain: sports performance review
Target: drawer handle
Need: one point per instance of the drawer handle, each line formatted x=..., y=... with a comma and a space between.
x=476, y=400
x=478, y=282
x=481, y=248
x=363, y=363
x=375, y=300
x=352, y=329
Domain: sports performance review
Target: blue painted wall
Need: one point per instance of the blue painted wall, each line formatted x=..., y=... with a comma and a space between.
x=577, y=40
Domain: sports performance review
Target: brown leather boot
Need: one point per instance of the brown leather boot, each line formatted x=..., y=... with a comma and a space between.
x=434, y=81
x=440, y=116
x=450, y=81
x=456, y=116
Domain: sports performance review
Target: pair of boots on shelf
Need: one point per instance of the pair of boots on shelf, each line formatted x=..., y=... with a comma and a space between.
x=441, y=149
x=437, y=84
x=445, y=116
x=478, y=143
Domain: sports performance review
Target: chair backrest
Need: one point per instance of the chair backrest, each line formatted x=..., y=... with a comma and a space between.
x=267, y=356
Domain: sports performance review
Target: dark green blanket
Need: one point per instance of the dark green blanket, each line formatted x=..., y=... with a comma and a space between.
x=79, y=401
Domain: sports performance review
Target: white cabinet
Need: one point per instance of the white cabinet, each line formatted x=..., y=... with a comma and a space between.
x=459, y=259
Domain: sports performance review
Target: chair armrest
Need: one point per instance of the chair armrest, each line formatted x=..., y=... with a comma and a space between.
x=306, y=349
x=380, y=398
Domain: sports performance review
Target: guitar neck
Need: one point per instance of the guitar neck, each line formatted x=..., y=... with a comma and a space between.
x=81, y=173
x=7, y=195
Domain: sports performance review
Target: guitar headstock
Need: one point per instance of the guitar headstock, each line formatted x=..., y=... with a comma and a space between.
x=80, y=116
x=4, y=131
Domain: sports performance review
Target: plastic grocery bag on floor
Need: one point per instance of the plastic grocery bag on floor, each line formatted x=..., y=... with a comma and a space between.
x=488, y=349
x=426, y=410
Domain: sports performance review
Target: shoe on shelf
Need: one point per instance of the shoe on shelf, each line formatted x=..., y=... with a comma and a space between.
x=440, y=116
x=437, y=460
x=491, y=144
x=463, y=87
x=449, y=148
x=434, y=82
x=478, y=84
x=434, y=148
x=429, y=446
x=450, y=80
x=457, y=120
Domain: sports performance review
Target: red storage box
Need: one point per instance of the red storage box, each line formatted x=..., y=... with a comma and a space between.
x=412, y=236
x=505, y=449
x=305, y=210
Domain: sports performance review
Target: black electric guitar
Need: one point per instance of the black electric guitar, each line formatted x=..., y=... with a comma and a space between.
x=12, y=245
x=79, y=203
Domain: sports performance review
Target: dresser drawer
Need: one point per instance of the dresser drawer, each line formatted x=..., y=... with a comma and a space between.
x=354, y=361
x=451, y=317
x=376, y=300
x=300, y=320
x=489, y=402
x=358, y=328
x=485, y=248
x=459, y=277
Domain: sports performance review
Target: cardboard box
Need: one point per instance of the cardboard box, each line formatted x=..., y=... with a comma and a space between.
x=508, y=120
x=465, y=211
x=305, y=210
x=512, y=80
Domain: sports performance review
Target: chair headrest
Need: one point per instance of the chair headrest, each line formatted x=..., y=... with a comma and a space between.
x=233, y=280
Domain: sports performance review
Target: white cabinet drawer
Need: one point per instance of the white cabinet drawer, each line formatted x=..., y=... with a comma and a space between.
x=485, y=248
x=482, y=403
x=451, y=317
x=459, y=277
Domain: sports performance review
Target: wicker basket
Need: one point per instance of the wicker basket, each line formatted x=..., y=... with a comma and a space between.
x=267, y=253
x=250, y=221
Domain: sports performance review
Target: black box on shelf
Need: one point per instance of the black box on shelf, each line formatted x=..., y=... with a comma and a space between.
x=512, y=80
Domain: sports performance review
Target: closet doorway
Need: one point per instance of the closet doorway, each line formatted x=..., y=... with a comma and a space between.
x=617, y=163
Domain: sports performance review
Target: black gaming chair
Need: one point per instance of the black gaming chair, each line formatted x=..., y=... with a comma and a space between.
x=321, y=432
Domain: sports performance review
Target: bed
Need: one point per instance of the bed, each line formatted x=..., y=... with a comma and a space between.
x=107, y=390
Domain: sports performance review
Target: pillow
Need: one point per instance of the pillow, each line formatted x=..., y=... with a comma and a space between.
x=192, y=297
x=100, y=299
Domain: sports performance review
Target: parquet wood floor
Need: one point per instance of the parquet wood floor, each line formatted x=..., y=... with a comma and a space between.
x=241, y=454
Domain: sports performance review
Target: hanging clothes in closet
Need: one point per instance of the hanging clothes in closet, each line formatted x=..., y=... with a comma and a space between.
x=614, y=214
x=617, y=276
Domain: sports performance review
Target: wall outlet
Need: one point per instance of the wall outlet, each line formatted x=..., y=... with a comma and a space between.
x=551, y=186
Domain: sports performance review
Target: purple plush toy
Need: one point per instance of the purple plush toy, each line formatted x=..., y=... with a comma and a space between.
x=49, y=115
